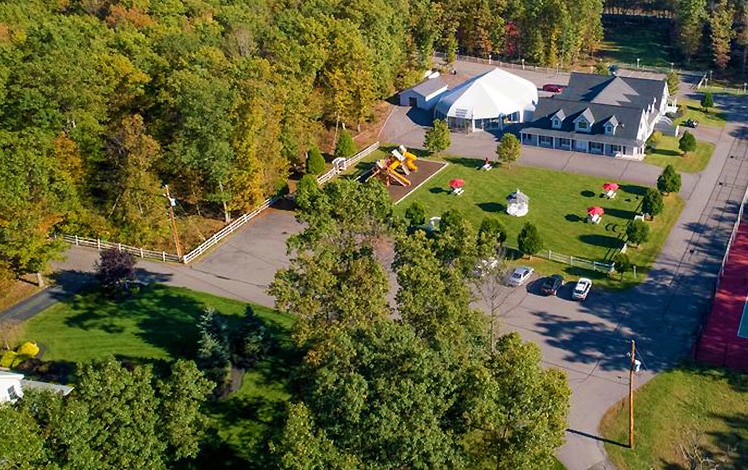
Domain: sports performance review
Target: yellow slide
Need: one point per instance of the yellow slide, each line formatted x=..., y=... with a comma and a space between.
x=395, y=175
x=409, y=161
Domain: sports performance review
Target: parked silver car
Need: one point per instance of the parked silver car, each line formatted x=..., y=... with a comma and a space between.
x=520, y=275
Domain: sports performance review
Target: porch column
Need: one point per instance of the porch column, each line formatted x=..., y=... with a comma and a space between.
x=553, y=142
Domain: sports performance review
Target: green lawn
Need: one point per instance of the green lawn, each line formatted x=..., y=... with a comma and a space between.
x=558, y=207
x=159, y=323
x=692, y=110
x=676, y=409
x=668, y=153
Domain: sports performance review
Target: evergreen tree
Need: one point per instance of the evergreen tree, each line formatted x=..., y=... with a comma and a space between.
x=673, y=83
x=528, y=240
x=722, y=33
x=689, y=22
x=637, y=232
x=345, y=147
x=687, y=142
x=315, y=162
x=707, y=101
x=652, y=203
x=669, y=180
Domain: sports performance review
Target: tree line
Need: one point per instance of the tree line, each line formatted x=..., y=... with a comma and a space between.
x=105, y=101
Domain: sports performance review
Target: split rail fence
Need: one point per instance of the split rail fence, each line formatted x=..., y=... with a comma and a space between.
x=217, y=237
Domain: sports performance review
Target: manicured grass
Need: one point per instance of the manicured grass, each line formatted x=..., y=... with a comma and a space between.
x=692, y=110
x=159, y=323
x=625, y=43
x=558, y=208
x=674, y=410
x=668, y=153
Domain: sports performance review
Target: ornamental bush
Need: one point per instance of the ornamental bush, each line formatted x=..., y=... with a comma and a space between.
x=7, y=359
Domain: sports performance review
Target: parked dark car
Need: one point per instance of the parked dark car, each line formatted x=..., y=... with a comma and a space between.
x=613, y=69
x=552, y=284
x=691, y=123
x=553, y=88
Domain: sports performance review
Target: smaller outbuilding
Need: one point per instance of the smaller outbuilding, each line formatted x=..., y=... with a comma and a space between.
x=424, y=95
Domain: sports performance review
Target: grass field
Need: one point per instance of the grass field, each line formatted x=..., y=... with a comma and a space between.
x=692, y=110
x=558, y=208
x=668, y=153
x=681, y=409
x=159, y=324
x=623, y=44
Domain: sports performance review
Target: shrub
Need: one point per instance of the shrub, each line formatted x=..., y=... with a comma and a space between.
x=114, y=267
x=654, y=139
x=8, y=359
x=345, y=147
x=416, y=214
x=315, y=162
x=28, y=349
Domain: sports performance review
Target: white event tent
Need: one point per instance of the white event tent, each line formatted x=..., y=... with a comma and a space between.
x=488, y=101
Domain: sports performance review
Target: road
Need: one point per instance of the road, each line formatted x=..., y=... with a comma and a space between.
x=588, y=340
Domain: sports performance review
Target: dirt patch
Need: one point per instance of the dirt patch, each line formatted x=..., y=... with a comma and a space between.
x=17, y=291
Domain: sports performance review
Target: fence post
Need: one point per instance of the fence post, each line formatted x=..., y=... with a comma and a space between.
x=141, y=252
x=98, y=244
x=571, y=260
x=549, y=255
x=119, y=246
x=76, y=240
x=163, y=256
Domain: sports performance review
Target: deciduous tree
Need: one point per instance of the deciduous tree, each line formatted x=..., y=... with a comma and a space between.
x=707, y=101
x=437, y=137
x=115, y=267
x=508, y=149
x=722, y=33
x=652, y=202
x=637, y=232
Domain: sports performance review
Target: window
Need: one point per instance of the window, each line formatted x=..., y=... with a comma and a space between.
x=609, y=129
x=564, y=143
x=596, y=147
x=545, y=140
x=582, y=125
x=556, y=123
x=615, y=148
x=12, y=395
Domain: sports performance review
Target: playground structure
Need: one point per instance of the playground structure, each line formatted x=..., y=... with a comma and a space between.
x=387, y=168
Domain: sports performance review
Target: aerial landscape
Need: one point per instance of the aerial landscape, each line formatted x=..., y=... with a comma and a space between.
x=405, y=234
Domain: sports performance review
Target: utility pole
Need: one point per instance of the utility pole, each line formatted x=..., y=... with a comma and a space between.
x=172, y=202
x=631, y=395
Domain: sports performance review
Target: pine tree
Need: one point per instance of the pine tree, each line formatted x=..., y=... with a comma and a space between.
x=652, y=203
x=707, y=101
x=315, y=162
x=687, y=142
x=528, y=240
x=345, y=147
x=669, y=181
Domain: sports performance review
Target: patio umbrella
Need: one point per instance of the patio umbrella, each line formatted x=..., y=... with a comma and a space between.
x=610, y=186
x=595, y=210
x=456, y=183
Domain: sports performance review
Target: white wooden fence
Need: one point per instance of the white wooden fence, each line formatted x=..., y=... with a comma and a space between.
x=105, y=245
x=216, y=237
x=579, y=262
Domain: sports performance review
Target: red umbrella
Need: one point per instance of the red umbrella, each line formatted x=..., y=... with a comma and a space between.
x=456, y=183
x=595, y=210
x=610, y=186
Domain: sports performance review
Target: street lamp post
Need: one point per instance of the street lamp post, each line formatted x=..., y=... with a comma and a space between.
x=671, y=66
x=637, y=62
x=523, y=64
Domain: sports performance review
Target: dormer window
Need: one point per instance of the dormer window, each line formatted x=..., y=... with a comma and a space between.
x=582, y=125
x=556, y=123
x=610, y=129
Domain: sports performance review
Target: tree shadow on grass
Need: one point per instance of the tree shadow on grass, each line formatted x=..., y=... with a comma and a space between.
x=574, y=218
x=439, y=191
x=493, y=207
x=473, y=163
x=667, y=152
x=587, y=193
x=605, y=241
x=634, y=189
x=620, y=213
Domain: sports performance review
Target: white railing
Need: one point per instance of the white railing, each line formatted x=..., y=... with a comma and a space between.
x=227, y=230
x=216, y=237
x=105, y=245
x=578, y=262
x=734, y=232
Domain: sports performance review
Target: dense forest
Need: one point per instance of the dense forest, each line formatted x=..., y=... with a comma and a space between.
x=105, y=101
x=715, y=30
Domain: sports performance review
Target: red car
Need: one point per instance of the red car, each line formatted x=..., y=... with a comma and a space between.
x=553, y=88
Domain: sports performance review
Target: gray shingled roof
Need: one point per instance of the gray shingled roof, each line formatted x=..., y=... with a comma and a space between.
x=587, y=114
x=429, y=86
x=613, y=90
x=625, y=133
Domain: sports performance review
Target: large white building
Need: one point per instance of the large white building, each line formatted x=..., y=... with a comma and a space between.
x=488, y=101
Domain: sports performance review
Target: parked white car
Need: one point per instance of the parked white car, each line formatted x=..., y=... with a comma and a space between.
x=581, y=289
x=520, y=275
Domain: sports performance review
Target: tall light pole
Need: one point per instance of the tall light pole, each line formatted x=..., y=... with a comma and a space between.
x=631, y=394
x=172, y=203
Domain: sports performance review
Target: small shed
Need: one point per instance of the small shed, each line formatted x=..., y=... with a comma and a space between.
x=424, y=95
